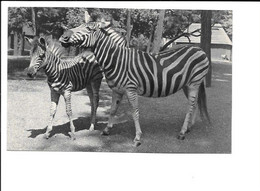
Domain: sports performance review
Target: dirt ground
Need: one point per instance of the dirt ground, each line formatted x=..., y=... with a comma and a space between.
x=160, y=119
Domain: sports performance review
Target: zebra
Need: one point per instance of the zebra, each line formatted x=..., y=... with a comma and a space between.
x=133, y=72
x=65, y=76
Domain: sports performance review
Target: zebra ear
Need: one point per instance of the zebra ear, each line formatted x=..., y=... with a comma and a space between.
x=104, y=24
x=64, y=27
x=87, y=17
x=42, y=43
x=29, y=40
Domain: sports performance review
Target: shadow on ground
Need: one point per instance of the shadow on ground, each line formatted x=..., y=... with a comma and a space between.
x=82, y=123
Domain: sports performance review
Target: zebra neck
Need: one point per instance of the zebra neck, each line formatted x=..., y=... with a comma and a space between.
x=106, y=52
x=52, y=67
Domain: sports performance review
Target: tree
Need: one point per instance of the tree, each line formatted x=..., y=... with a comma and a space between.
x=34, y=21
x=128, y=29
x=17, y=18
x=158, y=32
x=224, y=17
x=206, y=16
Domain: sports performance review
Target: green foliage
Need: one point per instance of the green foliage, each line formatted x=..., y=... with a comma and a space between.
x=75, y=17
x=176, y=21
x=224, y=17
x=143, y=21
x=48, y=20
x=18, y=16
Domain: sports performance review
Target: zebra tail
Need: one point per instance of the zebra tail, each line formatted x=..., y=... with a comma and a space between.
x=202, y=104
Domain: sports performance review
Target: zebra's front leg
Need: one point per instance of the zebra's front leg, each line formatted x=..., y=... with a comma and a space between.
x=53, y=108
x=116, y=100
x=133, y=100
x=192, y=111
x=67, y=98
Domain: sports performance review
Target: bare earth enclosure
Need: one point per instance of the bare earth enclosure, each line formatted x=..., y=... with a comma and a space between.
x=161, y=119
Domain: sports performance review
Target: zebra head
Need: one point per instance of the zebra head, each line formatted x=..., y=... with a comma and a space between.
x=84, y=35
x=38, y=50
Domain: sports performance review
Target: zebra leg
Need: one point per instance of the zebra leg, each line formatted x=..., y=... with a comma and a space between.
x=67, y=98
x=90, y=95
x=133, y=99
x=54, y=103
x=194, y=114
x=95, y=85
x=116, y=100
x=191, y=114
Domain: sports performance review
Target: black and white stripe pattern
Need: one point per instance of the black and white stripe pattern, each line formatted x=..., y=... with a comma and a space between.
x=66, y=76
x=135, y=72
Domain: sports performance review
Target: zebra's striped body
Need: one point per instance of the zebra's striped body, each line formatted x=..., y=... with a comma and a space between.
x=135, y=72
x=73, y=74
x=66, y=76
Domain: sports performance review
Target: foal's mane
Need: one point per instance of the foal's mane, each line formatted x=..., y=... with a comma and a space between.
x=51, y=45
x=55, y=48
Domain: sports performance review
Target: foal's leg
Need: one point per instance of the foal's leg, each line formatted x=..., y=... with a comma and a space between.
x=191, y=114
x=54, y=103
x=90, y=95
x=67, y=98
x=116, y=100
x=133, y=99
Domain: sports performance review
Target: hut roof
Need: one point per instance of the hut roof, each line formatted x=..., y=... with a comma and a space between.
x=219, y=36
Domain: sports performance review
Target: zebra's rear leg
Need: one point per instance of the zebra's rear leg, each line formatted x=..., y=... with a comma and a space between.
x=195, y=111
x=67, y=98
x=90, y=95
x=116, y=100
x=93, y=93
x=133, y=99
x=191, y=114
x=54, y=103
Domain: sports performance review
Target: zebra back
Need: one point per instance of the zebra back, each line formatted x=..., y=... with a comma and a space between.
x=72, y=73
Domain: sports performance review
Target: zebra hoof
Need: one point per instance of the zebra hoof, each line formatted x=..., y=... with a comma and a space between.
x=188, y=130
x=137, y=143
x=181, y=136
x=46, y=135
x=91, y=128
x=72, y=136
x=105, y=132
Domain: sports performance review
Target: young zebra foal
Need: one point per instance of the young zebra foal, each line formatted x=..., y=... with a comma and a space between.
x=65, y=76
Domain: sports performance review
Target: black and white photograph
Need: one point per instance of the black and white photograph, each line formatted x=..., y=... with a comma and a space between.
x=87, y=79
x=123, y=80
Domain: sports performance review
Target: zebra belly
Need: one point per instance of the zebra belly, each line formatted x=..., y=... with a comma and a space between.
x=117, y=88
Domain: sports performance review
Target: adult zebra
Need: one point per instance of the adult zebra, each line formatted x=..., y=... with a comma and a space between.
x=134, y=72
x=65, y=76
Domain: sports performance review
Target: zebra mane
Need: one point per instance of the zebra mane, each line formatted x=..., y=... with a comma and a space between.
x=109, y=31
x=34, y=44
x=55, y=48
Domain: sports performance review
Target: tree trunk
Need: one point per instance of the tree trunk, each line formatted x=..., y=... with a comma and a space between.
x=206, y=40
x=34, y=21
x=128, y=30
x=21, y=44
x=18, y=43
x=150, y=40
x=158, y=33
x=15, y=43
